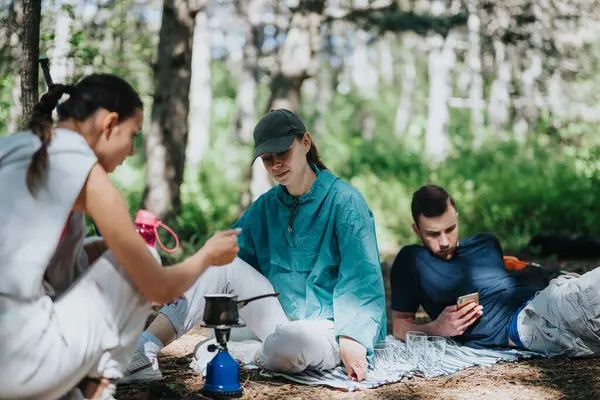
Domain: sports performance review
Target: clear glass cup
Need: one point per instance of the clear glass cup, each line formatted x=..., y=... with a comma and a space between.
x=434, y=355
x=415, y=347
x=383, y=357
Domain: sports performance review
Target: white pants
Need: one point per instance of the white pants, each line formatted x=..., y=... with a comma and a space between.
x=288, y=346
x=92, y=331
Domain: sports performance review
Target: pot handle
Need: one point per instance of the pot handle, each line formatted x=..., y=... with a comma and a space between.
x=242, y=303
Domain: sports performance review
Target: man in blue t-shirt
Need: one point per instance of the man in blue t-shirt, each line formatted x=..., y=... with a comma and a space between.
x=509, y=314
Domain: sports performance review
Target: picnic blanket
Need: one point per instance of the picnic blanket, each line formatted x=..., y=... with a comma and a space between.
x=457, y=358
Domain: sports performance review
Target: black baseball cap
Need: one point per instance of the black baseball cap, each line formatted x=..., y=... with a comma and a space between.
x=276, y=131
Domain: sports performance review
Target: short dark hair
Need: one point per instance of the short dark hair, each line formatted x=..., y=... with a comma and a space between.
x=430, y=201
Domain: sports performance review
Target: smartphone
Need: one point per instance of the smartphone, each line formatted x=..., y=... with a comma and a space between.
x=466, y=299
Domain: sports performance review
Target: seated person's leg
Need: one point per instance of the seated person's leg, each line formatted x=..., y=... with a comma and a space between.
x=564, y=318
x=299, y=345
x=262, y=316
x=92, y=332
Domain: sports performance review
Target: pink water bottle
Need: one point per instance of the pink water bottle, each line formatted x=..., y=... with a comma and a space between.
x=146, y=224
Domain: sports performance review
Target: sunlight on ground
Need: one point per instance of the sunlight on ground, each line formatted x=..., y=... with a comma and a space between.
x=503, y=392
x=505, y=381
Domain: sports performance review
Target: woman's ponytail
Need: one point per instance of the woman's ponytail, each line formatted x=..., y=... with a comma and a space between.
x=41, y=125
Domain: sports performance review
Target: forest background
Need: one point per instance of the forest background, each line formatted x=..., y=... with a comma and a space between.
x=497, y=101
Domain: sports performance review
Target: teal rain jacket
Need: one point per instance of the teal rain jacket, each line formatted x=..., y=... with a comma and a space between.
x=319, y=251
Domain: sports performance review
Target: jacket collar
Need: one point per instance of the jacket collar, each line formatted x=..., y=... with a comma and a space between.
x=319, y=189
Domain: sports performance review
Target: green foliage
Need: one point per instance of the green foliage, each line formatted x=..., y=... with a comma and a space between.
x=6, y=84
x=549, y=183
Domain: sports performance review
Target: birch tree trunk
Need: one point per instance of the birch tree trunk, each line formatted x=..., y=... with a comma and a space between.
x=62, y=67
x=249, y=15
x=499, y=102
x=200, y=97
x=324, y=85
x=556, y=97
x=364, y=72
x=409, y=80
x=14, y=33
x=386, y=61
x=474, y=65
x=526, y=108
x=439, y=65
x=440, y=62
x=256, y=179
x=16, y=108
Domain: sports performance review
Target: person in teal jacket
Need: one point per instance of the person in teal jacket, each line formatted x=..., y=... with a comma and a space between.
x=311, y=239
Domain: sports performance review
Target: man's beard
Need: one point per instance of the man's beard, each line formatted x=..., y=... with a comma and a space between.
x=442, y=255
x=446, y=254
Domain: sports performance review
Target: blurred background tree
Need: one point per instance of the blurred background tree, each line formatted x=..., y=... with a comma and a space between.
x=498, y=101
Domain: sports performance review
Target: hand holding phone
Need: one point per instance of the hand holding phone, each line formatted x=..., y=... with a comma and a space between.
x=466, y=299
x=455, y=319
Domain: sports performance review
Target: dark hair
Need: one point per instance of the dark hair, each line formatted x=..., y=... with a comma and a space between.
x=430, y=201
x=313, y=157
x=86, y=97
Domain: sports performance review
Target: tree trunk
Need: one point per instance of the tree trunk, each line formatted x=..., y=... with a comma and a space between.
x=364, y=72
x=31, y=52
x=200, y=97
x=386, y=61
x=166, y=138
x=10, y=37
x=499, y=104
x=256, y=180
x=474, y=66
x=297, y=61
x=248, y=76
x=526, y=109
x=556, y=98
x=409, y=80
x=62, y=67
x=14, y=34
x=324, y=86
x=440, y=62
x=16, y=108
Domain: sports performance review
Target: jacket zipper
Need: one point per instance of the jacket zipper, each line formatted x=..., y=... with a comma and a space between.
x=291, y=219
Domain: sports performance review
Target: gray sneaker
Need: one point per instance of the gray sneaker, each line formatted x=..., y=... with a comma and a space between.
x=141, y=370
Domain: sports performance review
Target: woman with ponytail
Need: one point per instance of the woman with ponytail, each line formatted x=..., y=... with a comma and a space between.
x=71, y=310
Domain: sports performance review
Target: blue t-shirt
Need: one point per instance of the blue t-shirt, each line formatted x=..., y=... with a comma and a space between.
x=419, y=278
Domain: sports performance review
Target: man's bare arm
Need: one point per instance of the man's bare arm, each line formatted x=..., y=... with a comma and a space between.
x=451, y=322
x=405, y=322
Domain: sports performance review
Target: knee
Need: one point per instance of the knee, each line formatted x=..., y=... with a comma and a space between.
x=295, y=346
x=282, y=351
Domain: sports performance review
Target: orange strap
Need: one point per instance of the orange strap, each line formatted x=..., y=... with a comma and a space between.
x=514, y=264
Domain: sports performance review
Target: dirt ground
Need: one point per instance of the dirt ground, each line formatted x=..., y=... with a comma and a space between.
x=532, y=379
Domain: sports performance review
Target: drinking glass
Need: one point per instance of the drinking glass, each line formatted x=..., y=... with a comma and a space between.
x=383, y=357
x=415, y=347
x=433, y=359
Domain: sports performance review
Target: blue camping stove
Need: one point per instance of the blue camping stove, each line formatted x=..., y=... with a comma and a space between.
x=222, y=379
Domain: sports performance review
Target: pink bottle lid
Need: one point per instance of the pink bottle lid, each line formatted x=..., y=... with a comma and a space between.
x=145, y=217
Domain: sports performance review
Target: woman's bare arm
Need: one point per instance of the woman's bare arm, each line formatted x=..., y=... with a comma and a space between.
x=107, y=208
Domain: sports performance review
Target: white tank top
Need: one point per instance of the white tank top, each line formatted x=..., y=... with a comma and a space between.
x=31, y=227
